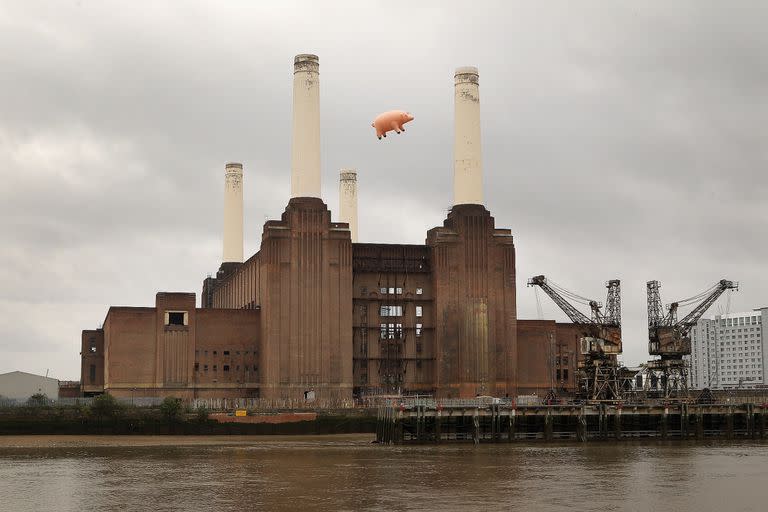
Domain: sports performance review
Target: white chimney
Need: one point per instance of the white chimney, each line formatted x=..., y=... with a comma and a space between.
x=467, y=163
x=348, y=200
x=305, y=150
x=233, y=213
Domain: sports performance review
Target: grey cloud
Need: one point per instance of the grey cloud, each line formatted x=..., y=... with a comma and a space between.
x=620, y=140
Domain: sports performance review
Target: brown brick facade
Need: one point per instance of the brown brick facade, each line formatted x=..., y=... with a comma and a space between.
x=312, y=312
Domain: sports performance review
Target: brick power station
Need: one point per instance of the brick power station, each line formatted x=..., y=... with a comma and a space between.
x=315, y=314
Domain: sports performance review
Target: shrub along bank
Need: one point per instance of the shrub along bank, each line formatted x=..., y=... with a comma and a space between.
x=107, y=416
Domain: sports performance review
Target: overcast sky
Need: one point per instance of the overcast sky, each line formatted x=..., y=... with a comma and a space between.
x=620, y=140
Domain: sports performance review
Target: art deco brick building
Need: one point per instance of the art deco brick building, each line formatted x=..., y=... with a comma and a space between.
x=314, y=314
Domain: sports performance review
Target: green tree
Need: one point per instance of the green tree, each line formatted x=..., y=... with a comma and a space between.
x=171, y=408
x=105, y=406
x=38, y=400
x=202, y=413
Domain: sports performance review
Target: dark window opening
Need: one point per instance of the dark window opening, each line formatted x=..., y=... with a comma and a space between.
x=226, y=367
x=418, y=365
x=237, y=353
x=226, y=352
x=418, y=347
x=255, y=368
x=92, y=373
x=237, y=368
x=557, y=374
x=214, y=367
x=214, y=352
x=92, y=345
x=197, y=367
x=364, y=364
x=176, y=318
x=205, y=367
x=565, y=374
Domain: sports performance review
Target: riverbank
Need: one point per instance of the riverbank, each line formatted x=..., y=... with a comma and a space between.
x=90, y=441
x=156, y=421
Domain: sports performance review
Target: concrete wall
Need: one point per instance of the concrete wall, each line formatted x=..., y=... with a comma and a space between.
x=22, y=385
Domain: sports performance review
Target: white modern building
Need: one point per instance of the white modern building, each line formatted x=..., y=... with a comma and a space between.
x=20, y=386
x=730, y=351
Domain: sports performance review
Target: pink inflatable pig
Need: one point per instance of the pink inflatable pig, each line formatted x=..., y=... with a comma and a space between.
x=392, y=120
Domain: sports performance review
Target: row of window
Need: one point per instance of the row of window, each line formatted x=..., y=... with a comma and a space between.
x=224, y=352
x=749, y=320
x=384, y=290
x=395, y=331
x=225, y=367
x=398, y=311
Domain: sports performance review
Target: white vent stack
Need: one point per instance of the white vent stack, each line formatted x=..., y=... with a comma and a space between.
x=348, y=200
x=233, y=213
x=305, y=149
x=467, y=157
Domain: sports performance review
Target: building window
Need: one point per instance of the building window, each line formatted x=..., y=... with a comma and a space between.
x=364, y=363
x=383, y=291
x=175, y=318
x=92, y=346
x=226, y=367
x=391, y=311
x=419, y=291
x=226, y=352
x=205, y=367
x=398, y=291
x=383, y=331
x=418, y=365
x=398, y=331
x=197, y=367
x=418, y=347
x=419, y=311
x=391, y=291
x=214, y=367
x=363, y=290
x=92, y=373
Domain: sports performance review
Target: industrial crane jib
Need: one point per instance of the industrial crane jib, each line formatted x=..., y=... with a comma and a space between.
x=669, y=337
x=601, y=334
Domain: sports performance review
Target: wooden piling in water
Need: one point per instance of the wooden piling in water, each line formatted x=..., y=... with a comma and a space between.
x=729, y=423
x=581, y=425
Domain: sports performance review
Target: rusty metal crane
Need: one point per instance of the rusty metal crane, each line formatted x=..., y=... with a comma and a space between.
x=600, y=341
x=670, y=338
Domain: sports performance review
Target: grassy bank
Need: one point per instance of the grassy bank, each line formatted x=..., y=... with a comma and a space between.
x=107, y=417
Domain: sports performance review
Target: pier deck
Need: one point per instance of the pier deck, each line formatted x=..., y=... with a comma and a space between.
x=435, y=422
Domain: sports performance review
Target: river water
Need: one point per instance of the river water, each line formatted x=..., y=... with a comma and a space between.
x=348, y=473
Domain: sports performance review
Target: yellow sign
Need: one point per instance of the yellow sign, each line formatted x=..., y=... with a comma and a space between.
x=241, y=412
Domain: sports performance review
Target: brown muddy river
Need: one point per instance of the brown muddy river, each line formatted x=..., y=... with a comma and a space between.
x=70, y=473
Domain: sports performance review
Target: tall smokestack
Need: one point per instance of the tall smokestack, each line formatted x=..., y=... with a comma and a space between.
x=233, y=213
x=467, y=163
x=348, y=200
x=305, y=151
